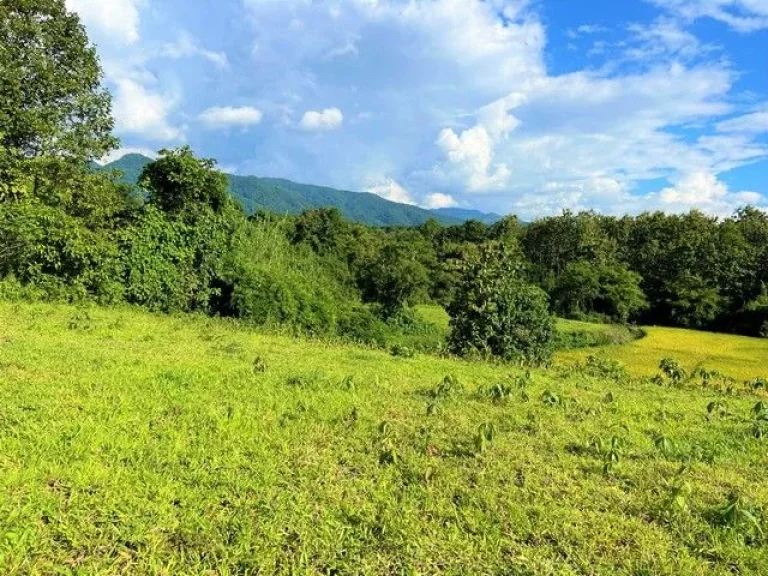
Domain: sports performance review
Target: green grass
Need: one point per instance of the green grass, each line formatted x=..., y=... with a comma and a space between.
x=141, y=444
x=737, y=356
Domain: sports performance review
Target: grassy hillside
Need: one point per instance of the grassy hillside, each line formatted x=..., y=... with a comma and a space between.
x=138, y=444
x=736, y=356
x=287, y=197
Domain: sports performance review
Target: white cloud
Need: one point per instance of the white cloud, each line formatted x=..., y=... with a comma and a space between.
x=472, y=153
x=140, y=111
x=185, y=47
x=223, y=117
x=439, y=200
x=741, y=15
x=120, y=152
x=328, y=119
x=662, y=38
x=389, y=189
x=754, y=123
x=703, y=191
x=114, y=19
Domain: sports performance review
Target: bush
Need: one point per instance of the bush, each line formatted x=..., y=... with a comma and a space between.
x=497, y=313
x=269, y=282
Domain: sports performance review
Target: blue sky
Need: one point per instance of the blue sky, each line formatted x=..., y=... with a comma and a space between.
x=515, y=106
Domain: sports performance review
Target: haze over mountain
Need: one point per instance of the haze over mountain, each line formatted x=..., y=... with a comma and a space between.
x=286, y=197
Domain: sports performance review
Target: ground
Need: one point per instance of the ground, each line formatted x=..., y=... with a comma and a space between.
x=132, y=443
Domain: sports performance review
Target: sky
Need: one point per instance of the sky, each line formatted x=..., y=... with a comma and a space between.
x=513, y=106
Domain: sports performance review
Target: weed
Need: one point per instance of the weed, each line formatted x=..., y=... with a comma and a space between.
x=737, y=514
x=663, y=444
x=485, y=434
x=450, y=386
x=717, y=408
x=81, y=320
x=551, y=399
x=402, y=351
x=259, y=365
x=673, y=370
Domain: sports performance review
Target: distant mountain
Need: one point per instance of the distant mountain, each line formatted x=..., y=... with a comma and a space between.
x=287, y=197
x=464, y=214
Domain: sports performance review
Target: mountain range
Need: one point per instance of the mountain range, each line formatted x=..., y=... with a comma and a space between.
x=287, y=197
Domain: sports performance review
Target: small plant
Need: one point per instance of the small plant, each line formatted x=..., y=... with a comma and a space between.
x=610, y=451
x=450, y=386
x=613, y=455
x=348, y=382
x=760, y=420
x=717, y=408
x=663, y=444
x=401, y=351
x=500, y=392
x=259, y=365
x=673, y=370
x=433, y=409
x=758, y=384
x=678, y=495
x=551, y=399
x=387, y=453
x=737, y=514
x=485, y=434
x=80, y=320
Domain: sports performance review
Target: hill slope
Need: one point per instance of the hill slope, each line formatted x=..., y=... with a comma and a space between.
x=287, y=197
x=141, y=444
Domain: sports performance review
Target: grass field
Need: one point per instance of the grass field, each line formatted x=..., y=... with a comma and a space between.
x=139, y=444
x=738, y=356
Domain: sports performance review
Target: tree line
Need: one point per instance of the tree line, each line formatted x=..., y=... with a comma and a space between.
x=179, y=243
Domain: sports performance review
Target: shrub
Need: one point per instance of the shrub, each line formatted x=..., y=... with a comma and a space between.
x=497, y=313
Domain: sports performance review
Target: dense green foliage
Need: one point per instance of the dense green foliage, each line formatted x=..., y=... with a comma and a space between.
x=285, y=197
x=497, y=312
x=53, y=109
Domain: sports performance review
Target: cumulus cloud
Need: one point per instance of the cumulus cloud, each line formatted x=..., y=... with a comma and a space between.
x=120, y=152
x=224, y=117
x=452, y=95
x=703, y=191
x=389, y=189
x=141, y=111
x=472, y=152
x=438, y=200
x=116, y=19
x=328, y=119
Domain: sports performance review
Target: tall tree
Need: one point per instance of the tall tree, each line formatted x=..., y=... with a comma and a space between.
x=53, y=106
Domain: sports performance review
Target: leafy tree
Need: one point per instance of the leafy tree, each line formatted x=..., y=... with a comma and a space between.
x=181, y=184
x=394, y=278
x=608, y=290
x=497, y=313
x=53, y=107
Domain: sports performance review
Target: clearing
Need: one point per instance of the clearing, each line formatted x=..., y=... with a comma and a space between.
x=143, y=444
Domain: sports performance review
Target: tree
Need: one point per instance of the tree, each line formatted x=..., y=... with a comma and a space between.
x=497, y=313
x=394, y=279
x=608, y=290
x=181, y=184
x=53, y=107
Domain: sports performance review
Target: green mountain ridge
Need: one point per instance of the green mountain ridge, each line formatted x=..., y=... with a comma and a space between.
x=287, y=197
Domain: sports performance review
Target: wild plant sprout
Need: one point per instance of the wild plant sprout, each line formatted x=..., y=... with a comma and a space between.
x=259, y=365
x=663, y=444
x=673, y=370
x=737, y=514
x=485, y=434
x=551, y=399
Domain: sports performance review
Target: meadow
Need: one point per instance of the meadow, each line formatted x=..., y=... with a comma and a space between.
x=741, y=357
x=135, y=443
